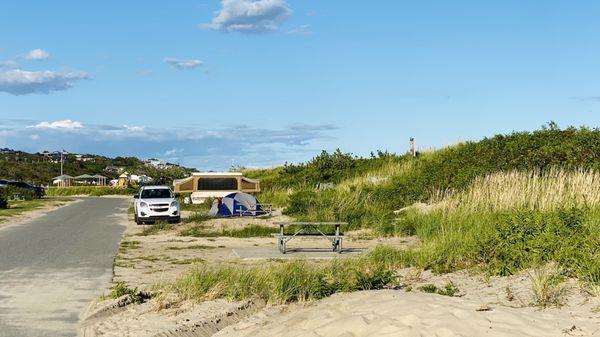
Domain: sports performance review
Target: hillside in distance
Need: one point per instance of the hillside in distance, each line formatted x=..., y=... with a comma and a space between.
x=40, y=168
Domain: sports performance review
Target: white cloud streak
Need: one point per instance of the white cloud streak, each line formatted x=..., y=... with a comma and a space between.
x=22, y=82
x=66, y=124
x=250, y=16
x=183, y=63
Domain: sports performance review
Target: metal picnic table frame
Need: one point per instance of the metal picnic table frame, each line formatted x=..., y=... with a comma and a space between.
x=283, y=239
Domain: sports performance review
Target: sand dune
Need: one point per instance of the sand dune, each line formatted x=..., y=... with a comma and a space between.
x=398, y=313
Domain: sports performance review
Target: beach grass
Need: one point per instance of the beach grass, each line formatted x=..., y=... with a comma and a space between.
x=297, y=280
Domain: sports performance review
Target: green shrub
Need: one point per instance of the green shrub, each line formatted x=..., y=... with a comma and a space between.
x=120, y=289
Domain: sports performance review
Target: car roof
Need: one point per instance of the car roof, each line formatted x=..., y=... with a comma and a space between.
x=156, y=187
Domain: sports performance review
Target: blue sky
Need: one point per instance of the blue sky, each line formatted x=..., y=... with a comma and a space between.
x=257, y=83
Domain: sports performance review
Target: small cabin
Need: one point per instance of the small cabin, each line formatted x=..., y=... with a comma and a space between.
x=205, y=185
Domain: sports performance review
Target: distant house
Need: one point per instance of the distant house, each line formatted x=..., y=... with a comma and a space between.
x=114, y=169
x=51, y=156
x=159, y=164
x=81, y=158
x=205, y=185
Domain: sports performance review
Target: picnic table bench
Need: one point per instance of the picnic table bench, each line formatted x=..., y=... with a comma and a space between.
x=302, y=230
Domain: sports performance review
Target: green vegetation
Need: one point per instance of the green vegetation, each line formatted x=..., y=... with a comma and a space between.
x=120, y=289
x=249, y=231
x=194, y=247
x=547, y=288
x=89, y=190
x=503, y=204
x=286, y=282
x=448, y=290
x=38, y=169
x=197, y=217
x=156, y=228
x=6, y=193
x=19, y=207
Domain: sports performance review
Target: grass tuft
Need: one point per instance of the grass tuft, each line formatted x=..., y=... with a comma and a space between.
x=120, y=289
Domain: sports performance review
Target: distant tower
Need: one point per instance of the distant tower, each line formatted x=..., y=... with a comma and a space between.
x=413, y=146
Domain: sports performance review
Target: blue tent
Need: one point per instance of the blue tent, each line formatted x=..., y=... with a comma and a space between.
x=236, y=204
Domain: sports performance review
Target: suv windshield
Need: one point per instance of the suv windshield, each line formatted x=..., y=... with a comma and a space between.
x=156, y=193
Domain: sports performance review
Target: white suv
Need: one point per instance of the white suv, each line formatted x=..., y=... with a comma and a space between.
x=155, y=203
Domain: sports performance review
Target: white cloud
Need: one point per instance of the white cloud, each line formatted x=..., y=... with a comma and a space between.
x=193, y=145
x=66, y=124
x=183, y=63
x=300, y=30
x=37, y=55
x=8, y=64
x=21, y=82
x=250, y=16
x=134, y=128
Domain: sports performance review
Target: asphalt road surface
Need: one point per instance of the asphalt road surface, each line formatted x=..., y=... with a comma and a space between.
x=53, y=266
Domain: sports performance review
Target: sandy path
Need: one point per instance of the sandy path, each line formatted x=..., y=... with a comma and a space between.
x=398, y=313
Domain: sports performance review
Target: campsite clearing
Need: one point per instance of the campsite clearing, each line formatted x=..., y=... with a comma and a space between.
x=165, y=254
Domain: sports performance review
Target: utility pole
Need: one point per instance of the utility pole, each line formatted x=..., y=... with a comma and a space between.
x=413, y=146
x=61, y=161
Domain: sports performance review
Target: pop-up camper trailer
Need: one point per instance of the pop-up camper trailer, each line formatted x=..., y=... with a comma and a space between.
x=204, y=185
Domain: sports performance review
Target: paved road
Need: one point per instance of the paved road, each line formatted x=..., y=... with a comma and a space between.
x=53, y=266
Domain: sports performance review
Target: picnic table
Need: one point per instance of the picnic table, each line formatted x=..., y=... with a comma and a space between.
x=304, y=228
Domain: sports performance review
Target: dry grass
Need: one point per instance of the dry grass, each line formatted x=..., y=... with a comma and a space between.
x=533, y=190
x=376, y=177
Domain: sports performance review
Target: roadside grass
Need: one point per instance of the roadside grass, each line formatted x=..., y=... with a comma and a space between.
x=17, y=208
x=89, y=190
x=249, y=231
x=190, y=247
x=120, y=289
x=286, y=282
x=156, y=228
x=197, y=217
x=188, y=261
x=126, y=245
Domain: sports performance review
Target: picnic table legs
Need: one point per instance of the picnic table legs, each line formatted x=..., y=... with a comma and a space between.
x=282, y=245
x=337, y=242
x=337, y=245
